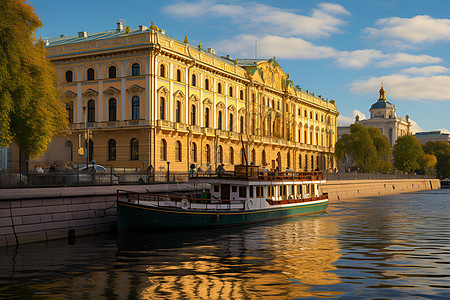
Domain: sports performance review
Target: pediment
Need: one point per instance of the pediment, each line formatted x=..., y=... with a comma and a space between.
x=163, y=90
x=220, y=105
x=69, y=94
x=194, y=98
x=90, y=93
x=111, y=91
x=135, y=89
x=207, y=101
x=231, y=108
x=179, y=94
x=242, y=111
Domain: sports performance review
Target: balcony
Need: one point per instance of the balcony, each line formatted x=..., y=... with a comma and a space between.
x=234, y=135
x=181, y=127
x=108, y=124
x=256, y=138
x=265, y=140
x=222, y=133
x=165, y=125
x=209, y=131
x=196, y=130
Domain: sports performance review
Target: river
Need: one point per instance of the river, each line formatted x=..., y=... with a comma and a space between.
x=391, y=247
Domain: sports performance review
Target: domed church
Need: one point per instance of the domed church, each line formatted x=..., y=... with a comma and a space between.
x=383, y=117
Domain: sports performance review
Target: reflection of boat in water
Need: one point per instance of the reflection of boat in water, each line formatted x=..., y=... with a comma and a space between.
x=247, y=195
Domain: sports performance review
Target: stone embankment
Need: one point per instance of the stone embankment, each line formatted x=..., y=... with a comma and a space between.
x=31, y=215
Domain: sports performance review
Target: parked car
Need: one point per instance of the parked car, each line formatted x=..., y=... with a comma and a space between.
x=93, y=174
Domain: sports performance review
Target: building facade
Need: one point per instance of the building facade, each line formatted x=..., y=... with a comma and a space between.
x=432, y=136
x=383, y=116
x=139, y=98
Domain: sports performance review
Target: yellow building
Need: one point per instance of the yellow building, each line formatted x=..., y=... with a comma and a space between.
x=149, y=99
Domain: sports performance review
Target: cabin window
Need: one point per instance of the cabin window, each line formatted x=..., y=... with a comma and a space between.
x=216, y=188
x=242, y=192
x=234, y=189
x=259, y=192
x=251, y=191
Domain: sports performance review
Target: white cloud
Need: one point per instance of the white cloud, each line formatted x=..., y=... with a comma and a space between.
x=415, y=127
x=444, y=130
x=400, y=86
x=420, y=29
x=345, y=121
x=425, y=71
x=322, y=22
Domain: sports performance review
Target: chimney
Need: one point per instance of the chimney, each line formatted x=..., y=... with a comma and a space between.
x=82, y=34
x=211, y=50
x=119, y=26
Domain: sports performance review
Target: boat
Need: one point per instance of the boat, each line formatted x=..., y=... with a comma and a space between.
x=246, y=195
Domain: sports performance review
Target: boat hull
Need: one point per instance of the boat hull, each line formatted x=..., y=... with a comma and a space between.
x=141, y=217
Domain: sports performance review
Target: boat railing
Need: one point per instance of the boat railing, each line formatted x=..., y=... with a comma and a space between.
x=324, y=196
x=184, y=202
x=264, y=175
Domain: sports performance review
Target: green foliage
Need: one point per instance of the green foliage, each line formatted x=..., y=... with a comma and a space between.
x=407, y=154
x=31, y=110
x=428, y=164
x=442, y=152
x=359, y=146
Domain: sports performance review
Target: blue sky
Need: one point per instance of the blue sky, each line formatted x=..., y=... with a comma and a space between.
x=341, y=50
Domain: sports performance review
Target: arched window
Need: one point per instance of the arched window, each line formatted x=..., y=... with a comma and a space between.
x=231, y=91
x=231, y=155
x=163, y=150
x=112, y=149
x=91, y=150
x=178, y=75
x=194, y=152
x=241, y=95
x=263, y=157
x=231, y=122
x=312, y=162
x=69, y=76
x=112, y=109
x=162, y=108
x=219, y=120
x=206, y=84
x=253, y=98
x=112, y=72
x=242, y=156
x=91, y=111
x=90, y=74
x=135, y=109
x=69, y=108
x=135, y=70
x=253, y=156
x=162, y=70
x=193, y=81
x=134, y=149
x=219, y=88
x=178, y=153
x=242, y=124
x=220, y=154
x=311, y=137
x=193, y=114
x=207, y=117
x=178, y=112
x=208, y=154
x=288, y=159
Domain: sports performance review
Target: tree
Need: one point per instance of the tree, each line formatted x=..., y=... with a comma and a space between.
x=383, y=148
x=359, y=146
x=31, y=109
x=428, y=164
x=407, y=154
x=442, y=152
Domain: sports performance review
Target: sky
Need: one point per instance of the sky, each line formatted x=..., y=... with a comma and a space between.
x=343, y=50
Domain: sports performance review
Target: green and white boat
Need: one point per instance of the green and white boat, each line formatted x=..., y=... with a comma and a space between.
x=247, y=195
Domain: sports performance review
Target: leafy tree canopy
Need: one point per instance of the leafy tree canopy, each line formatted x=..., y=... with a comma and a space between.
x=31, y=109
x=407, y=153
x=441, y=150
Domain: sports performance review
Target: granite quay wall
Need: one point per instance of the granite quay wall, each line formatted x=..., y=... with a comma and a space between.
x=31, y=215
x=351, y=189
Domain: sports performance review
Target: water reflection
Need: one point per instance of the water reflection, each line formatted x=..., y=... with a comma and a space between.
x=395, y=247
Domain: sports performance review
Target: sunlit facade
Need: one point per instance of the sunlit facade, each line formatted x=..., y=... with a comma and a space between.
x=148, y=99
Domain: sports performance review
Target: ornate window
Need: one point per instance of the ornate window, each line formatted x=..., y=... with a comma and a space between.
x=135, y=70
x=112, y=72
x=231, y=155
x=231, y=122
x=206, y=84
x=193, y=114
x=263, y=157
x=112, y=109
x=178, y=75
x=220, y=154
x=219, y=88
x=135, y=109
x=300, y=161
x=178, y=150
x=219, y=120
x=207, y=117
x=134, y=149
x=162, y=70
x=163, y=150
x=162, y=108
x=241, y=95
x=112, y=149
x=231, y=91
x=208, y=154
x=242, y=156
x=253, y=156
x=194, y=152
x=178, y=112
x=69, y=76
x=90, y=74
x=193, y=81
x=242, y=124
x=288, y=159
x=91, y=111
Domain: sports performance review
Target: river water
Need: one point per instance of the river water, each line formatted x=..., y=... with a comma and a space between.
x=392, y=247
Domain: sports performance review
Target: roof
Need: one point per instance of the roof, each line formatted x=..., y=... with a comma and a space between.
x=382, y=104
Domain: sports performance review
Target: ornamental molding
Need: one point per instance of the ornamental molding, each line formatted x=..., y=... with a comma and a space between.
x=111, y=91
x=90, y=93
x=135, y=89
x=163, y=90
x=69, y=94
x=207, y=101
